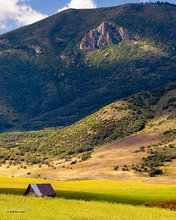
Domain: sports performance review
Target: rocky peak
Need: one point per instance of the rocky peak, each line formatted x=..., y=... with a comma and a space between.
x=102, y=36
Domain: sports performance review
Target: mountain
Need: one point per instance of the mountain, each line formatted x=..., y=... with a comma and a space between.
x=65, y=67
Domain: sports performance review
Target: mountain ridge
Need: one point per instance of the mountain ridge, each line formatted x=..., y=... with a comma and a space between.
x=46, y=81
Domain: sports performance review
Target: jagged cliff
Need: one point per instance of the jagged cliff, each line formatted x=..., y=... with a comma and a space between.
x=104, y=35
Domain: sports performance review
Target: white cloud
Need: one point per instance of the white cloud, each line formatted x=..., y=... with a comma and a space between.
x=79, y=4
x=19, y=12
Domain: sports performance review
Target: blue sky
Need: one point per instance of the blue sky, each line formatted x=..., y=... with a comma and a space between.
x=17, y=13
x=51, y=6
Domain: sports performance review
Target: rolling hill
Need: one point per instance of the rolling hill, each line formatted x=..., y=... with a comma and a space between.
x=65, y=67
x=132, y=137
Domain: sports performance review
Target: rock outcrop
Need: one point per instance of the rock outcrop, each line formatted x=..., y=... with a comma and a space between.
x=104, y=35
x=37, y=49
x=124, y=34
x=4, y=41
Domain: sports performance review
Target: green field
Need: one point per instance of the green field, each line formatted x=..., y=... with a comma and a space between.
x=39, y=208
x=91, y=199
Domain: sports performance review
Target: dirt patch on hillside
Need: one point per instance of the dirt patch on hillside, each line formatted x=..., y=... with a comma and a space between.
x=136, y=141
x=121, y=153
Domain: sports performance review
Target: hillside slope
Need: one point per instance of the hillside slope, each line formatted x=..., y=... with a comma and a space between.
x=149, y=114
x=46, y=80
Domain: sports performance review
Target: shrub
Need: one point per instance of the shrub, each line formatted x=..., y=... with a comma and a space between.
x=145, y=169
x=125, y=168
x=86, y=156
x=142, y=149
x=116, y=168
x=73, y=162
x=171, y=146
x=155, y=172
x=84, y=149
x=71, y=152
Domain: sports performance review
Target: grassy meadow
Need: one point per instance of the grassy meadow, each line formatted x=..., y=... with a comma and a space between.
x=47, y=208
x=90, y=199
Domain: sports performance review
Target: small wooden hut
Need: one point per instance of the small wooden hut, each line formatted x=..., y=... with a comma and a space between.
x=40, y=190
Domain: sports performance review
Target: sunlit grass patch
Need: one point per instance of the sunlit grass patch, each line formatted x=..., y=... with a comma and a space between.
x=47, y=208
x=96, y=190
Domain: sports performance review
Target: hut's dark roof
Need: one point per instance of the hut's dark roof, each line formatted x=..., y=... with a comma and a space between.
x=43, y=189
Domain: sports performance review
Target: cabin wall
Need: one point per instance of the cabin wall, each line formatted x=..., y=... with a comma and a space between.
x=30, y=192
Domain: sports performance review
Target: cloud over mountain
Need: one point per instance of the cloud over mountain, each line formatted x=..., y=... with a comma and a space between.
x=79, y=4
x=17, y=11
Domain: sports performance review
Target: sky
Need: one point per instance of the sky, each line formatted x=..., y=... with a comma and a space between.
x=17, y=13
